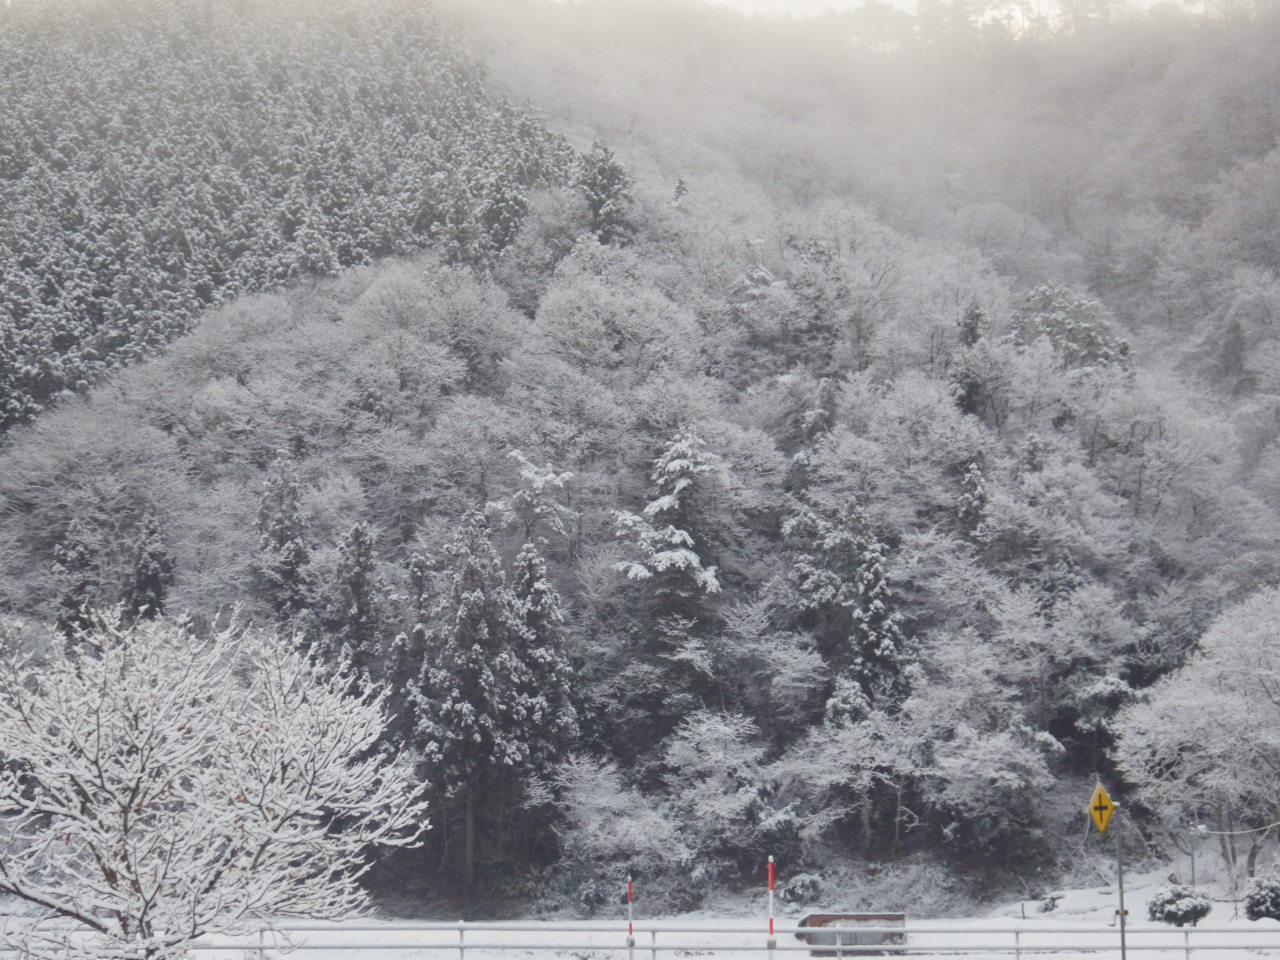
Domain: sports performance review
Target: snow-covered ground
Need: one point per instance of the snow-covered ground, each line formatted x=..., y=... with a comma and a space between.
x=1077, y=928
x=1069, y=937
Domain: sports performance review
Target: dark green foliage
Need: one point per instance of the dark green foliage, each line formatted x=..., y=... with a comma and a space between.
x=475, y=686
x=406, y=654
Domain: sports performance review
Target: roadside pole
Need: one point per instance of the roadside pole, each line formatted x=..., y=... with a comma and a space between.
x=631, y=929
x=1124, y=914
x=1101, y=810
x=772, y=943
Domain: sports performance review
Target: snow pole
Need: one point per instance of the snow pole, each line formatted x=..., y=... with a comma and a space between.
x=771, y=895
x=772, y=943
x=631, y=930
x=1122, y=913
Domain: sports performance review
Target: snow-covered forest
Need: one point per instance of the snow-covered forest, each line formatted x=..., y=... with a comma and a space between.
x=704, y=437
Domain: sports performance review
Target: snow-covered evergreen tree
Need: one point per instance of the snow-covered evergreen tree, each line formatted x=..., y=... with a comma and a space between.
x=75, y=566
x=474, y=705
x=406, y=654
x=606, y=184
x=354, y=620
x=151, y=574
x=282, y=566
x=670, y=537
x=838, y=570
x=973, y=501
x=553, y=720
x=538, y=507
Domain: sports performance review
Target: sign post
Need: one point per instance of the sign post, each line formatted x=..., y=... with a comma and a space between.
x=1101, y=810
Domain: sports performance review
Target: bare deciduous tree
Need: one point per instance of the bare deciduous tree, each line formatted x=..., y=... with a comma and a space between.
x=161, y=785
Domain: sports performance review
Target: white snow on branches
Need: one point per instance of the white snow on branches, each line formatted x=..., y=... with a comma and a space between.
x=161, y=785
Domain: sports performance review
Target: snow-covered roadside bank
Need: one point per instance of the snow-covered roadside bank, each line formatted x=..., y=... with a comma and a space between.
x=1066, y=938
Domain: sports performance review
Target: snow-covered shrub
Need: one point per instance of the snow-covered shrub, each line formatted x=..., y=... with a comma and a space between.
x=1262, y=898
x=802, y=888
x=1178, y=904
x=594, y=892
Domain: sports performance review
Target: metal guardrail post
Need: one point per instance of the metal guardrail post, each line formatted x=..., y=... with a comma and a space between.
x=1186, y=942
x=653, y=944
x=462, y=946
x=1017, y=944
x=262, y=943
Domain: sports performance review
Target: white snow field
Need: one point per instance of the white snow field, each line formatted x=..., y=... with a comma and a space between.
x=1076, y=929
x=1065, y=938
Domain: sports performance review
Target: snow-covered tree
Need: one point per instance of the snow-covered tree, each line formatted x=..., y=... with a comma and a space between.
x=151, y=574
x=354, y=621
x=553, y=721
x=75, y=567
x=282, y=565
x=474, y=706
x=843, y=594
x=1080, y=330
x=606, y=185
x=973, y=500
x=670, y=535
x=406, y=654
x=1202, y=747
x=162, y=786
x=538, y=506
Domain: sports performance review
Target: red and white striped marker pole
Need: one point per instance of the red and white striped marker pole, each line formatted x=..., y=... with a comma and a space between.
x=631, y=930
x=773, y=943
x=771, y=895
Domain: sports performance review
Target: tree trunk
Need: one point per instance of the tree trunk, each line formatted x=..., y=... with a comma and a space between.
x=469, y=843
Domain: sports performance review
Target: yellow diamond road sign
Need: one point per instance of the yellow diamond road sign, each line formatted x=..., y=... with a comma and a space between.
x=1101, y=808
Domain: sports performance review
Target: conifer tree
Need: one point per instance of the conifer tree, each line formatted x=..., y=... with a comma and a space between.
x=474, y=707
x=606, y=185
x=553, y=722
x=75, y=563
x=672, y=535
x=282, y=567
x=353, y=621
x=973, y=501
x=406, y=655
x=844, y=596
x=151, y=575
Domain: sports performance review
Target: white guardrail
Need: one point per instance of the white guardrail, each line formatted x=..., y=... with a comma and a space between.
x=499, y=941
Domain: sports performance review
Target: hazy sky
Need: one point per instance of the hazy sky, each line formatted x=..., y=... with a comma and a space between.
x=808, y=8
x=803, y=8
